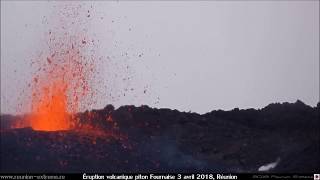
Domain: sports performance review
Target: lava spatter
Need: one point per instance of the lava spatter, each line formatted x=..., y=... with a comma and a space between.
x=59, y=89
x=61, y=83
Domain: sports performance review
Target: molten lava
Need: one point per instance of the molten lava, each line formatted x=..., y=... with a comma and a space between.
x=59, y=88
x=50, y=112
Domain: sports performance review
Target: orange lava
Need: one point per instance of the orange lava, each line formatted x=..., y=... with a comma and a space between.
x=50, y=112
x=60, y=85
x=59, y=88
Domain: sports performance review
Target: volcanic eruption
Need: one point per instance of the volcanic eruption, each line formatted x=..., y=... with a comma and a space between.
x=60, y=85
x=64, y=133
x=59, y=89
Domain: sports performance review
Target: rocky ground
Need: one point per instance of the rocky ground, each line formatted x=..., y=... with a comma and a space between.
x=143, y=139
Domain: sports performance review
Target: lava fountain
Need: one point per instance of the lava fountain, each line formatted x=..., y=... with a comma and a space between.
x=58, y=89
x=63, y=72
x=50, y=112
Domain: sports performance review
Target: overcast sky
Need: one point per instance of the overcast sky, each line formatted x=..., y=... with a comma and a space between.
x=183, y=55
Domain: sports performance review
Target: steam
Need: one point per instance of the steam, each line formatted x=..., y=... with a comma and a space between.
x=270, y=166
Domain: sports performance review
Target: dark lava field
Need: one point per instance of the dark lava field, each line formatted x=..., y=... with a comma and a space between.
x=144, y=139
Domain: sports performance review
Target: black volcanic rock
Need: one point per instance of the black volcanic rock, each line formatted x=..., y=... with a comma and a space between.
x=144, y=139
